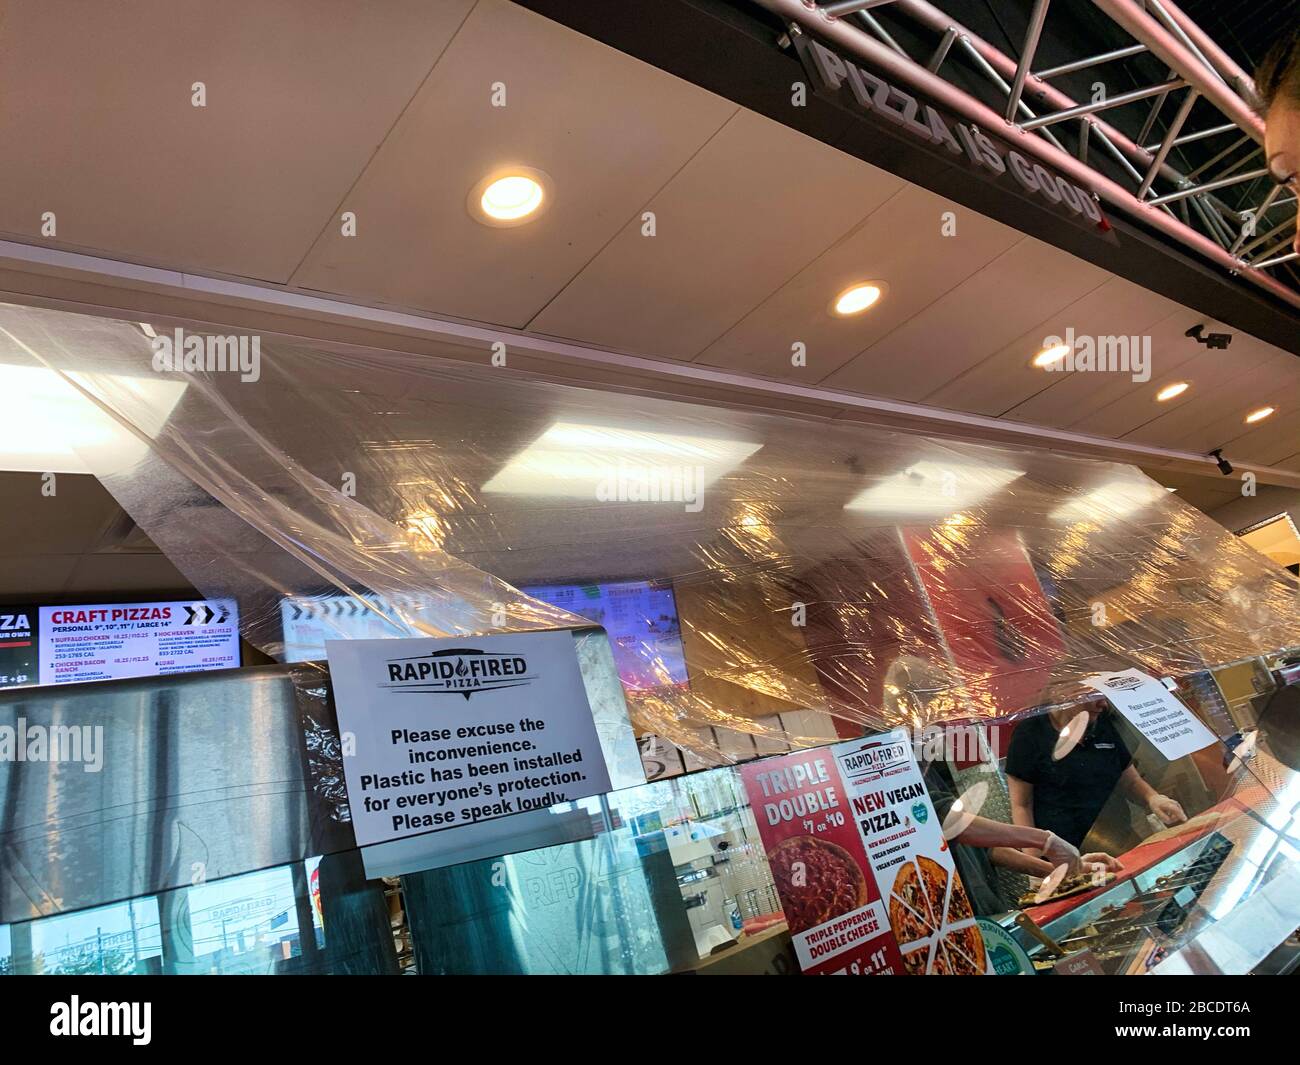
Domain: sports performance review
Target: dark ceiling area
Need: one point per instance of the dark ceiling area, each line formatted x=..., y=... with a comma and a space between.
x=1076, y=30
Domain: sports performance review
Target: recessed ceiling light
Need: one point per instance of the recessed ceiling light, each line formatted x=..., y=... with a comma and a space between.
x=1258, y=415
x=1052, y=355
x=857, y=298
x=1170, y=391
x=511, y=196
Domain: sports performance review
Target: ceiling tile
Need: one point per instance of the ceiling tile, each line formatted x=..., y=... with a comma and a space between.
x=608, y=131
x=1196, y=421
x=1175, y=357
x=1007, y=380
x=746, y=214
x=972, y=321
x=1074, y=399
x=899, y=243
x=99, y=97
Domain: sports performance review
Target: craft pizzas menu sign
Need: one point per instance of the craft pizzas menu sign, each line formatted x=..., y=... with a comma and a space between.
x=929, y=912
x=109, y=641
x=838, y=922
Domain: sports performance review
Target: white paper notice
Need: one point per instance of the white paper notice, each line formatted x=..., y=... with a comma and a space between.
x=462, y=731
x=1154, y=711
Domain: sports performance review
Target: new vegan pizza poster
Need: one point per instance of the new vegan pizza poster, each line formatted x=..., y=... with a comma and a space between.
x=902, y=836
x=837, y=919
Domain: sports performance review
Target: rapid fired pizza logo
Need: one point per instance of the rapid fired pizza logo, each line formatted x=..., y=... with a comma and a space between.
x=875, y=757
x=458, y=671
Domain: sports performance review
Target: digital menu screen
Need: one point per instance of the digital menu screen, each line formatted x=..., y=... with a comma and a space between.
x=641, y=620
x=111, y=641
x=18, y=659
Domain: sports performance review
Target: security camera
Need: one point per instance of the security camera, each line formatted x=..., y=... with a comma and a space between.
x=1210, y=340
x=1225, y=467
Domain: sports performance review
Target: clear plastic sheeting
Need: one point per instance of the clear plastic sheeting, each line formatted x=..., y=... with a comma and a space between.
x=766, y=581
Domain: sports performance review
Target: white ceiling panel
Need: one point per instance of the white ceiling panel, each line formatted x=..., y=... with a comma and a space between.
x=1224, y=423
x=1007, y=379
x=900, y=244
x=972, y=321
x=1196, y=422
x=1277, y=437
x=1073, y=397
x=97, y=100
x=609, y=132
x=1175, y=357
x=743, y=217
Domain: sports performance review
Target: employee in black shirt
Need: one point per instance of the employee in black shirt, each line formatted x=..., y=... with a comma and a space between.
x=980, y=843
x=1061, y=773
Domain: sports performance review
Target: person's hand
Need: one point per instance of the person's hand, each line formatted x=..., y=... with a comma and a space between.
x=1108, y=863
x=1166, y=809
x=1061, y=853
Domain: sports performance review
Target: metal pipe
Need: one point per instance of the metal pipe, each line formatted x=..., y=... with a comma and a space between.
x=938, y=21
x=1243, y=139
x=1091, y=61
x=1241, y=162
x=1199, y=135
x=941, y=53
x=1269, y=234
x=848, y=7
x=1239, y=79
x=1036, y=19
x=1156, y=108
x=917, y=77
x=1212, y=222
x=1129, y=15
x=1102, y=105
x=1177, y=31
x=1255, y=215
x=1171, y=138
x=1210, y=186
x=973, y=54
x=1290, y=257
x=882, y=33
x=1083, y=140
x=1287, y=238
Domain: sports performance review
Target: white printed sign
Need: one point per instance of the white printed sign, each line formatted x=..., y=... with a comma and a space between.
x=929, y=911
x=1154, y=711
x=456, y=732
x=108, y=641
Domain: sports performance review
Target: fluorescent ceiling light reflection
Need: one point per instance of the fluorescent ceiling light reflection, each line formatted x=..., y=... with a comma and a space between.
x=48, y=426
x=1115, y=500
x=930, y=488
x=579, y=461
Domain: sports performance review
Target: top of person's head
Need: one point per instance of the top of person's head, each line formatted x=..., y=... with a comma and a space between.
x=1278, y=74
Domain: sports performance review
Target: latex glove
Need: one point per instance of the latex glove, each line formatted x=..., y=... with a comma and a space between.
x=1059, y=852
x=1166, y=809
x=1108, y=863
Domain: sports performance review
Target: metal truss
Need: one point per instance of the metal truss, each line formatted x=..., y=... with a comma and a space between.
x=1249, y=236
